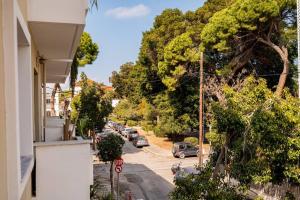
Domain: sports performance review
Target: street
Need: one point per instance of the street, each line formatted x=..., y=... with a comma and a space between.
x=146, y=173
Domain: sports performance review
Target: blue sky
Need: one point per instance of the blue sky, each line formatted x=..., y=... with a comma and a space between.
x=117, y=27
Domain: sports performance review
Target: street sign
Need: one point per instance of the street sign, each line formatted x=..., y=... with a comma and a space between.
x=119, y=162
x=118, y=169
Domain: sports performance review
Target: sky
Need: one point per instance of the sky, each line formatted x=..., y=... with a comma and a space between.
x=117, y=28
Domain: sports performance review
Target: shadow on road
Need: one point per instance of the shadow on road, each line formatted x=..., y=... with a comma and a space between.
x=141, y=181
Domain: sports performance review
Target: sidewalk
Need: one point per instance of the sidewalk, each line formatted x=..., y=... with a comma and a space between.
x=156, y=150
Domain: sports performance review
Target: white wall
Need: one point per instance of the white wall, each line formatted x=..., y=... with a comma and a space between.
x=63, y=171
x=25, y=100
x=54, y=129
x=66, y=11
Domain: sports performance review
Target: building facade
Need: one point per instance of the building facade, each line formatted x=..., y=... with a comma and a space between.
x=38, y=40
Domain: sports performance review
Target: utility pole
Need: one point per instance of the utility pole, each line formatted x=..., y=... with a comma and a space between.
x=201, y=111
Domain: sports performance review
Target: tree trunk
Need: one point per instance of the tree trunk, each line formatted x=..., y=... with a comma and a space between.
x=112, y=179
x=284, y=55
x=218, y=163
x=52, y=98
x=284, y=73
x=222, y=155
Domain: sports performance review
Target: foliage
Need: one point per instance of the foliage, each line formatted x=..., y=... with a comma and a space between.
x=90, y=107
x=194, y=141
x=257, y=32
x=132, y=123
x=125, y=111
x=202, y=186
x=253, y=132
x=110, y=148
x=127, y=82
x=86, y=53
x=262, y=133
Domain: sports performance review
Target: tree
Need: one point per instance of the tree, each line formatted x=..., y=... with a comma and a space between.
x=126, y=111
x=110, y=148
x=90, y=107
x=254, y=25
x=202, y=187
x=256, y=135
x=86, y=53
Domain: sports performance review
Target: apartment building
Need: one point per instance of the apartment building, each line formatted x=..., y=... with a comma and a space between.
x=56, y=103
x=38, y=40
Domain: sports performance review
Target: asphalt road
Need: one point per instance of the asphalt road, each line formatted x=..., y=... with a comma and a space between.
x=145, y=174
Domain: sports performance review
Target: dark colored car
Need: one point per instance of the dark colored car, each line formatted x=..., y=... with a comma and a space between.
x=183, y=149
x=140, y=141
x=132, y=135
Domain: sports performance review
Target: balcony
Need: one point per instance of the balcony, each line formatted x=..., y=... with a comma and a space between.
x=54, y=130
x=66, y=11
x=63, y=170
x=56, y=27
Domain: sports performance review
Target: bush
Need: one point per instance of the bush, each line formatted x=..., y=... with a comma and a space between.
x=194, y=141
x=132, y=123
x=147, y=126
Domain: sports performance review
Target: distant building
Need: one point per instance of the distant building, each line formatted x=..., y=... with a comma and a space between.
x=57, y=105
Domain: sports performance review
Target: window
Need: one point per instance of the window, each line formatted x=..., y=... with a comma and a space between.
x=48, y=101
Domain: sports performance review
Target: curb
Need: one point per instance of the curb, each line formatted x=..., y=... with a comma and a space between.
x=157, y=154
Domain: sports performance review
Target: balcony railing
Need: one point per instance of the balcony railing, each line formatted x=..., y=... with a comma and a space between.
x=63, y=170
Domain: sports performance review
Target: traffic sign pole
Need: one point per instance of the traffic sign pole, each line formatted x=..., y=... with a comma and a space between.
x=118, y=192
x=118, y=168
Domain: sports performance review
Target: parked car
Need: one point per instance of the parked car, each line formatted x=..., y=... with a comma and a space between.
x=125, y=131
x=120, y=128
x=140, y=141
x=176, y=167
x=183, y=172
x=132, y=135
x=103, y=134
x=116, y=126
x=110, y=124
x=183, y=149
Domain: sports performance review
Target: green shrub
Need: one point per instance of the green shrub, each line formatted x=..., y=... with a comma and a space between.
x=194, y=141
x=107, y=197
x=147, y=126
x=132, y=123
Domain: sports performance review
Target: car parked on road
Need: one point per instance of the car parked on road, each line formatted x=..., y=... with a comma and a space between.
x=126, y=131
x=183, y=172
x=120, y=128
x=140, y=141
x=132, y=135
x=183, y=149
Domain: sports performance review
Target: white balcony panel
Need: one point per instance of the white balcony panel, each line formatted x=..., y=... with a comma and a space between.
x=54, y=121
x=58, y=11
x=53, y=134
x=54, y=129
x=63, y=170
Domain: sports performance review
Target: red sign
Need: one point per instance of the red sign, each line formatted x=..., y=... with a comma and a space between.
x=118, y=169
x=119, y=162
